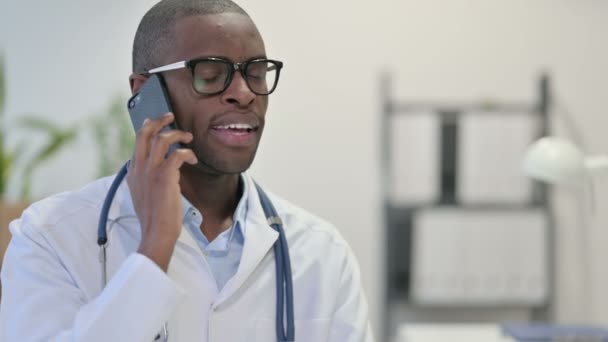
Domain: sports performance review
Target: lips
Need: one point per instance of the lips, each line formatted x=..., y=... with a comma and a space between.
x=244, y=127
x=236, y=134
x=235, y=129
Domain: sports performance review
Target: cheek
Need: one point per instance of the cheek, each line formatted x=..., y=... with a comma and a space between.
x=262, y=106
x=192, y=113
x=181, y=100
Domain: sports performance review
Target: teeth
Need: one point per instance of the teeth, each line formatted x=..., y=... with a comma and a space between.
x=236, y=126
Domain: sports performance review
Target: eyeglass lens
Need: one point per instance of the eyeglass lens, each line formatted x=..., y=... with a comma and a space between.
x=211, y=77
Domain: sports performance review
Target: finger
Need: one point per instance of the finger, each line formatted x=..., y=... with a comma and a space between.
x=143, y=138
x=179, y=157
x=161, y=143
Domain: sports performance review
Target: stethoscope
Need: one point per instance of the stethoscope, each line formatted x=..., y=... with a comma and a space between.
x=281, y=252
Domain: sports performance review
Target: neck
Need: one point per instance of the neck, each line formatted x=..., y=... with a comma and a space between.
x=215, y=196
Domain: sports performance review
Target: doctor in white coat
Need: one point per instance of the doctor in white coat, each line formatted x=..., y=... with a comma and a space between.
x=190, y=250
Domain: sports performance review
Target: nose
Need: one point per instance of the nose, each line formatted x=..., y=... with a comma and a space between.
x=238, y=93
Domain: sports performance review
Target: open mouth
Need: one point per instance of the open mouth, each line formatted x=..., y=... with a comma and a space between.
x=237, y=134
x=238, y=128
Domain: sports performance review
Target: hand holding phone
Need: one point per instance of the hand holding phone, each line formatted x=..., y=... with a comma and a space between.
x=154, y=171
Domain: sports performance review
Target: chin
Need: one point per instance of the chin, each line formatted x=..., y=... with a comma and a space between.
x=222, y=167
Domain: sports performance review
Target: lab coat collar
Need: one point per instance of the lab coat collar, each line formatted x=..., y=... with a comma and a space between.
x=259, y=239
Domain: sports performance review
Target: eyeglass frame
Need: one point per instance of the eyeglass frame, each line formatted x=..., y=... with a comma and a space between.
x=242, y=67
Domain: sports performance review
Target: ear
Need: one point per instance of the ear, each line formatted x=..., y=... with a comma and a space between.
x=136, y=81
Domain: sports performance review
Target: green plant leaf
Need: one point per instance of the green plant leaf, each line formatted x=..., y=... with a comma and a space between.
x=9, y=159
x=57, y=138
x=5, y=171
x=6, y=163
x=39, y=124
x=2, y=85
x=5, y=157
x=114, y=136
x=100, y=132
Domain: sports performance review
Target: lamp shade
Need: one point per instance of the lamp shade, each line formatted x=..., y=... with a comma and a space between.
x=555, y=160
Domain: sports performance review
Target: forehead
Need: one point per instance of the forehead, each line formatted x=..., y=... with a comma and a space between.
x=229, y=35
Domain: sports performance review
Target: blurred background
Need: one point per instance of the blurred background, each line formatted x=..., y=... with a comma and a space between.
x=404, y=123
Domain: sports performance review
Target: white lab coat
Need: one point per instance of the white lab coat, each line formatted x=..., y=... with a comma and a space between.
x=52, y=287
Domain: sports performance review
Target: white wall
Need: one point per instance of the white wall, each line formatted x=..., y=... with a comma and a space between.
x=321, y=146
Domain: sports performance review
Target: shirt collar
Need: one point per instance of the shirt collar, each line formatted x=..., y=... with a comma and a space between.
x=122, y=207
x=240, y=213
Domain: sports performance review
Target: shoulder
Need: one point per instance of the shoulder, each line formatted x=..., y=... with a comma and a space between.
x=71, y=206
x=315, y=243
x=303, y=218
x=304, y=228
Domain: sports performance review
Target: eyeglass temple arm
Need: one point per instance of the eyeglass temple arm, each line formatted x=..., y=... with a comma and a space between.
x=168, y=67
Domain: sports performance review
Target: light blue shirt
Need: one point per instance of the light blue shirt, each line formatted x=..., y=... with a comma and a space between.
x=223, y=254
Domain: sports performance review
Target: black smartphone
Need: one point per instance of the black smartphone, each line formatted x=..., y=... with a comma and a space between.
x=152, y=101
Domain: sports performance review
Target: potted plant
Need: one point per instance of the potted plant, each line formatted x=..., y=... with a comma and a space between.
x=55, y=139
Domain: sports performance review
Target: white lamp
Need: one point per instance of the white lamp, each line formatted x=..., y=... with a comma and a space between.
x=558, y=161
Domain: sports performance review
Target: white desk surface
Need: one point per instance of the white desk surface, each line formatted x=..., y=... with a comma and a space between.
x=433, y=332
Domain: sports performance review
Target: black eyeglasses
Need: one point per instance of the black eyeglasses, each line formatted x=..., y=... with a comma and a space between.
x=213, y=75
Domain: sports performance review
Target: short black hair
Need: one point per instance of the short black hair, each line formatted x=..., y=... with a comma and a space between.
x=155, y=31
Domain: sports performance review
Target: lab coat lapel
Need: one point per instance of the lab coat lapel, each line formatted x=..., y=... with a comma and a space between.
x=259, y=240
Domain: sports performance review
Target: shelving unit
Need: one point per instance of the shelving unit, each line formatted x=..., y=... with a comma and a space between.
x=399, y=218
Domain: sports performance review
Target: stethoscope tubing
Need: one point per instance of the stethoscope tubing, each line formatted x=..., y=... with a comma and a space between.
x=284, y=279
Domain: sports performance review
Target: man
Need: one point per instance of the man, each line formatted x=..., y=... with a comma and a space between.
x=189, y=254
